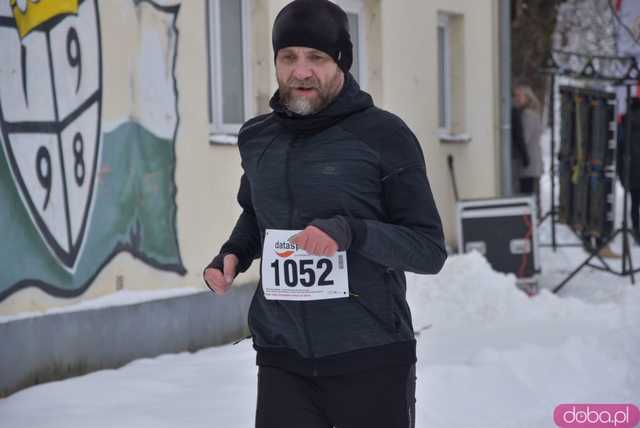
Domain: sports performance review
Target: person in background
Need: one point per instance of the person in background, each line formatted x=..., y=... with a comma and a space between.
x=529, y=109
x=634, y=164
x=519, y=155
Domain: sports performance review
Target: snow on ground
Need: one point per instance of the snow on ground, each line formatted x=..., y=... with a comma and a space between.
x=489, y=356
x=497, y=358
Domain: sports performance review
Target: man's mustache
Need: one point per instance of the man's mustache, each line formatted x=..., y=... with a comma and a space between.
x=302, y=84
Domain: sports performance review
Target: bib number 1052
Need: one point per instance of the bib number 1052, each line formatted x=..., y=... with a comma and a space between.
x=302, y=272
x=290, y=273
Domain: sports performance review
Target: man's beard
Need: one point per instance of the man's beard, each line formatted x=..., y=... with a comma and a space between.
x=306, y=105
x=303, y=105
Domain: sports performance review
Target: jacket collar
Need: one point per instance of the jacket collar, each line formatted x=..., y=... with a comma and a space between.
x=350, y=100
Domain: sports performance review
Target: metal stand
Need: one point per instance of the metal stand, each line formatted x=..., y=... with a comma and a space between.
x=552, y=213
x=626, y=73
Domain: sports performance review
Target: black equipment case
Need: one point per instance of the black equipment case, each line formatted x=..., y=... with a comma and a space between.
x=504, y=230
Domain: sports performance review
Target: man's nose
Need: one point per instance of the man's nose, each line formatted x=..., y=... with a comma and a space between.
x=302, y=71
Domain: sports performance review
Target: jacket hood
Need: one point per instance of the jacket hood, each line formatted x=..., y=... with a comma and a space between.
x=350, y=100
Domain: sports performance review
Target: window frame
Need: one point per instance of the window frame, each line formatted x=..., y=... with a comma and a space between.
x=445, y=25
x=217, y=126
x=356, y=7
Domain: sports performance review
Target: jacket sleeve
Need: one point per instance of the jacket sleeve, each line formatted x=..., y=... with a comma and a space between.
x=245, y=240
x=532, y=128
x=411, y=238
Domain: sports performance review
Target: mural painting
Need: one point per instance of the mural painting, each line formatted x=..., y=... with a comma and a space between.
x=72, y=194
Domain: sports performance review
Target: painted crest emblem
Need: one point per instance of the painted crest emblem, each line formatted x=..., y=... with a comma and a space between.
x=50, y=110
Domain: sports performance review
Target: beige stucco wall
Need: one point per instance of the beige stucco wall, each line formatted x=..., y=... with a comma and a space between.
x=401, y=76
x=410, y=86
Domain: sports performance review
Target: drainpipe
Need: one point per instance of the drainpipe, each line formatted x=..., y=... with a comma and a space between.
x=504, y=56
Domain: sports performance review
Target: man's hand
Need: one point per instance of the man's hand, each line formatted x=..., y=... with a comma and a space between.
x=220, y=281
x=315, y=241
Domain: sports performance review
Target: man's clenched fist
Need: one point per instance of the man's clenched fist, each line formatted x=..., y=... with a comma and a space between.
x=315, y=241
x=220, y=281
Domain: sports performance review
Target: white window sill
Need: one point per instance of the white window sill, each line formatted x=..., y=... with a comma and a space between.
x=447, y=137
x=223, y=139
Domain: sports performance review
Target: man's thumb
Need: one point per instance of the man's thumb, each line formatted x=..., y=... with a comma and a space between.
x=229, y=268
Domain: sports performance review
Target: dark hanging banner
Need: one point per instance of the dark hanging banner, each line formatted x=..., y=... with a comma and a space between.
x=587, y=161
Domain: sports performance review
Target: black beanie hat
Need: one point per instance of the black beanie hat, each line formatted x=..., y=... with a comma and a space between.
x=317, y=24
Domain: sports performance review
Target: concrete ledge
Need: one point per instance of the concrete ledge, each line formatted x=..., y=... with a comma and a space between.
x=57, y=346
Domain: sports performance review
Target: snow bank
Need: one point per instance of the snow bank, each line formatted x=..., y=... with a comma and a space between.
x=494, y=357
x=468, y=292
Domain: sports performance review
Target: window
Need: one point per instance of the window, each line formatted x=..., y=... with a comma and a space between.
x=355, y=15
x=444, y=73
x=229, y=78
x=451, y=77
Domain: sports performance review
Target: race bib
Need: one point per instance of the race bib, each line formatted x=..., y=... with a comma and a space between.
x=290, y=273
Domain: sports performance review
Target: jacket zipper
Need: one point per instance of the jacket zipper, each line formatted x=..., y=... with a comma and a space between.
x=400, y=170
x=291, y=209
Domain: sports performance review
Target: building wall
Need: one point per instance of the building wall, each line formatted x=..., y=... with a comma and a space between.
x=410, y=87
x=164, y=197
x=145, y=53
x=57, y=346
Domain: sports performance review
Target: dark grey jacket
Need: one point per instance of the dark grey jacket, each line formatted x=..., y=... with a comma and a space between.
x=354, y=160
x=634, y=149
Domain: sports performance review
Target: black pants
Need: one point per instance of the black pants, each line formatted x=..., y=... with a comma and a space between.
x=531, y=186
x=384, y=398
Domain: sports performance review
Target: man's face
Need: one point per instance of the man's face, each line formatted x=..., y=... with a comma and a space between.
x=308, y=79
